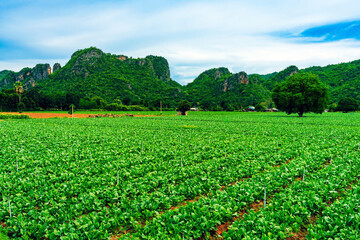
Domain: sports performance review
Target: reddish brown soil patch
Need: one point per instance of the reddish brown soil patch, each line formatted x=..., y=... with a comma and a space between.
x=299, y=235
x=121, y=231
x=327, y=163
x=313, y=219
x=290, y=160
x=287, y=162
x=2, y=224
x=255, y=206
x=182, y=204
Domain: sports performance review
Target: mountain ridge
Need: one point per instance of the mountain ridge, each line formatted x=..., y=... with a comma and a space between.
x=91, y=73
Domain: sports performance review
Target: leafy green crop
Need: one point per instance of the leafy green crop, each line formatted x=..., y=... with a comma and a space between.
x=13, y=116
x=94, y=178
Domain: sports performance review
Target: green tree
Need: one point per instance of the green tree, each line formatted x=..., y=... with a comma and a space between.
x=21, y=107
x=71, y=109
x=184, y=106
x=260, y=107
x=301, y=93
x=19, y=89
x=347, y=105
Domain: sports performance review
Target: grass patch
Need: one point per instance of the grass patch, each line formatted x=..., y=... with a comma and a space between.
x=13, y=116
x=189, y=126
x=156, y=113
x=3, y=236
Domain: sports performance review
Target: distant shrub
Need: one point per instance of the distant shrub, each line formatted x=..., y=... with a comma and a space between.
x=112, y=107
x=120, y=107
x=168, y=109
x=137, y=108
x=348, y=105
x=13, y=116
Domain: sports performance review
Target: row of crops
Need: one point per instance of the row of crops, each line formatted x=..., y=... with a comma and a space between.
x=180, y=177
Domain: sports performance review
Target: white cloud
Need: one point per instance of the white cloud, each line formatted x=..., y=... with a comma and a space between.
x=192, y=35
x=17, y=65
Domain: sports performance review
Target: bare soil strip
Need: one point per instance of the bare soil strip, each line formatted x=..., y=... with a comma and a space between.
x=254, y=206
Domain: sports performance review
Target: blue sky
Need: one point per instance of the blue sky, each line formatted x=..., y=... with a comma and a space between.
x=255, y=36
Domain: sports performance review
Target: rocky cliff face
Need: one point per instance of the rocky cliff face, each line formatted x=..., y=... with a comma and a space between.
x=40, y=71
x=81, y=65
x=214, y=74
x=28, y=76
x=217, y=73
x=234, y=80
x=81, y=61
x=160, y=66
x=281, y=76
x=56, y=67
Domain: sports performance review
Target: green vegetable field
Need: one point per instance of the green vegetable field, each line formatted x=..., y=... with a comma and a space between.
x=209, y=175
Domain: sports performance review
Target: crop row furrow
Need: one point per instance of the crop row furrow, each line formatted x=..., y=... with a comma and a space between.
x=340, y=220
x=221, y=206
x=290, y=211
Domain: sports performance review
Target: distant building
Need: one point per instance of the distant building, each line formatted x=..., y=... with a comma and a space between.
x=249, y=109
x=271, y=110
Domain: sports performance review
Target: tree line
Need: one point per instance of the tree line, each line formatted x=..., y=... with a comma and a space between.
x=299, y=93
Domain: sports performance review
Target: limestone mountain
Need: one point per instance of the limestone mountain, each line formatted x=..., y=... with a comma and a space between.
x=280, y=76
x=233, y=81
x=342, y=79
x=92, y=79
x=91, y=72
x=218, y=88
x=56, y=67
x=29, y=76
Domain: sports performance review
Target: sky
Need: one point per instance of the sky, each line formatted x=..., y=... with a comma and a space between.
x=255, y=36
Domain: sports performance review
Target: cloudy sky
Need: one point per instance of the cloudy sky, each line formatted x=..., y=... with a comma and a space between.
x=255, y=36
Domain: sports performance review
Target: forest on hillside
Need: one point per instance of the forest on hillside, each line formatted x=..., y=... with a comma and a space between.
x=93, y=79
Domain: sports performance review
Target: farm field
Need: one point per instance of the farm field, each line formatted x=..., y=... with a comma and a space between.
x=85, y=114
x=209, y=175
